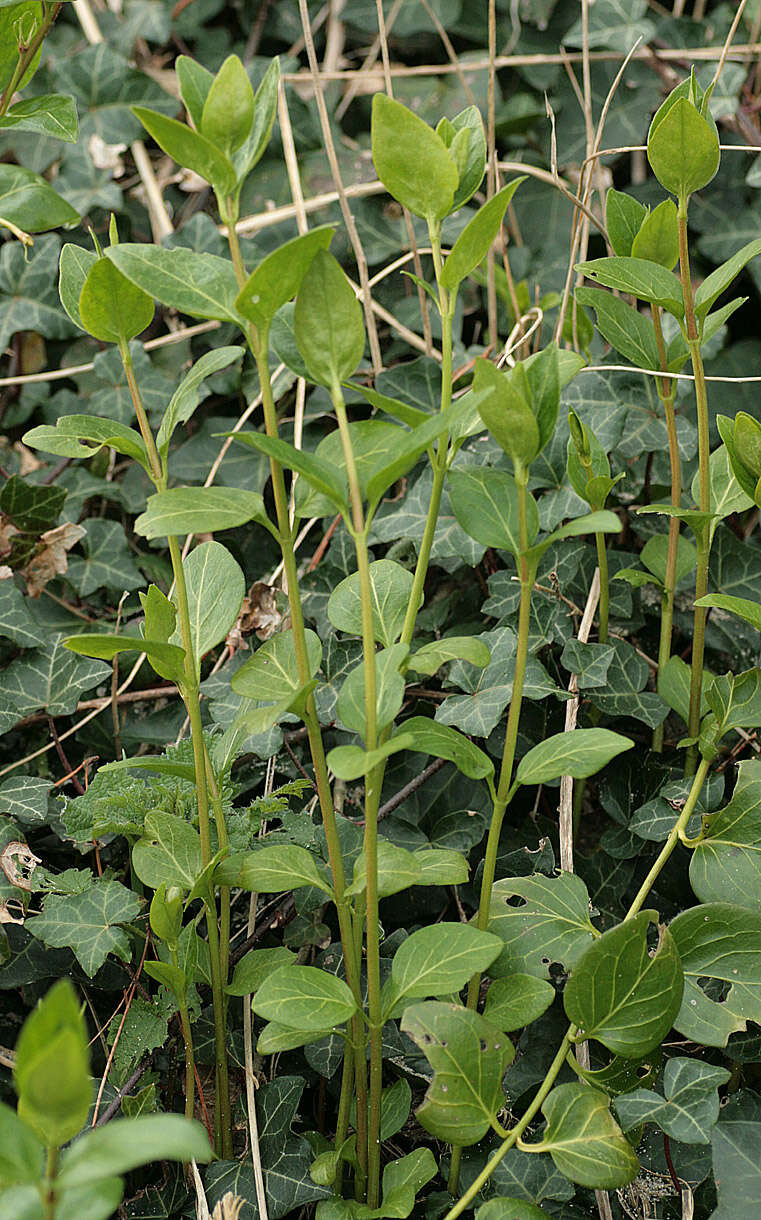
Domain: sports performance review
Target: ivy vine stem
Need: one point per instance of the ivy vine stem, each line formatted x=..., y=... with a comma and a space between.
x=702, y=535
x=667, y=393
x=191, y=698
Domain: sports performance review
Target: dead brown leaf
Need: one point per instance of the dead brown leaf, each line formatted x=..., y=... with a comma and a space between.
x=50, y=558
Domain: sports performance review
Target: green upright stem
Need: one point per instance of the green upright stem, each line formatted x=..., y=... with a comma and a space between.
x=48, y=1186
x=701, y=399
x=191, y=698
x=26, y=56
x=372, y=801
x=677, y=833
x=505, y=789
x=667, y=394
x=259, y=345
x=602, y=564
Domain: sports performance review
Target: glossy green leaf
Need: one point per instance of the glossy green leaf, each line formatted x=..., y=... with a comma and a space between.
x=584, y=1140
x=442, y=741
x=411, y=160
x=683, y=149
x=517, y=1000
x=741, y=606
x=621, y=995
x=51, y=1070
x=190, y=149
x=440, y=959
x=722, y=942
x=170, y=657
x=27, y=200
x=485, y=502
x=131, y=1142
x=550, y=925
x=720, y=279
x=389, y=691
x=198, y=510
x=658, y=238
x=194, y=81
x=304, y=998
x=640, y=278
x=623, y=218
x=504, y=1208
x=112, y=308
x=474, y=242
x=391, y=587
x=691, y=1105
x=168, y=853
x=83, y=435
x=201, y=285
x=726, y=864
x=469, y=1058
x=623, y=326
x=73, y=267
x=350, y=762
x=252, y=969
x=272, y=672
x=506, y=411
x=428, y=659
x=278, y=276
x=265, y=111
x=736, y=1168
x=317, y=474
x=228, y=109
x=581, y=753
x=328, y=322
x=216, y=586
x=269, y=870
x=187, y=395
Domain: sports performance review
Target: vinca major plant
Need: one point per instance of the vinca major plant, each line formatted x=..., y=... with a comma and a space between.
x=434, y=1010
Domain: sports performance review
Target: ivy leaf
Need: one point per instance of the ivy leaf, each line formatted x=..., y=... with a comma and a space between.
x=490, y=691
x=736, y=1168
x=584, y=1140
x=51, y=677
x=624, y=693
x=551, y=924
x=28, y=292
x=105, y=88
x=285, y=1158
x=721, y=942
x=621, y=995
x=108, y=561
x=691, y=1105
x=88, y=923
x=17, y=621
x=25, y=798
x=590, y=662
x=469, y=1058
x=726, y=863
